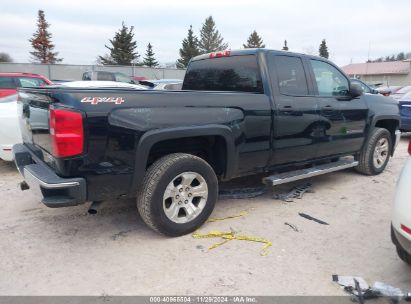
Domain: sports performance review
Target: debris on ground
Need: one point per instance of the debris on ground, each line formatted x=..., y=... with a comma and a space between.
x=229, y=236
x=309, y=217
x=295, y=192
x=359, y=288
x=293, y=227
x=241, y=193
x=242, y=213
x=232, y=234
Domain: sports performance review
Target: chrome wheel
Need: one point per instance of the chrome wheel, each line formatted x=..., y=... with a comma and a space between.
x=185, y=197
x=381, y=152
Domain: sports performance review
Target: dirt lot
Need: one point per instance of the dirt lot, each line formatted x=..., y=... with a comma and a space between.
x=68, y=252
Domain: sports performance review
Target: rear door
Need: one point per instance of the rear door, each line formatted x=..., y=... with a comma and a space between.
x=295, y=117
x=344, y=118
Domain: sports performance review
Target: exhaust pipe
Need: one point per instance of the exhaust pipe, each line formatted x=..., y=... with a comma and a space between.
x=24, y=186
x=94, y=207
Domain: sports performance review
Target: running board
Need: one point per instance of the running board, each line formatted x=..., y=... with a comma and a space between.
x=286, y=177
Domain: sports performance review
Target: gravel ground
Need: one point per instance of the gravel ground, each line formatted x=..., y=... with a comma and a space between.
x=68, y=252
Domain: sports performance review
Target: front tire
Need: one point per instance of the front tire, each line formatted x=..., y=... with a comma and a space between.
x=178, y=194
x=376, y=152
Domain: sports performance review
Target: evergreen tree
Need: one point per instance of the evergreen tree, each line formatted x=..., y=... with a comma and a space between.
x=254, y=41
x=188, y=50
x=210, y=38
x=285, y=47
x=149, y=59
x=401, y=56
x=41, y=42
x=123, y=49
x=323, y=50
x=4, y=57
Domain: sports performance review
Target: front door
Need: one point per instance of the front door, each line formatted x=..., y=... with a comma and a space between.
x=344, y=118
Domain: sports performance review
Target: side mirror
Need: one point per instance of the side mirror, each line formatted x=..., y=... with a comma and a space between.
x=355, y=90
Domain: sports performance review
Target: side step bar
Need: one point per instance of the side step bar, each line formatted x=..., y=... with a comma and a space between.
x=286, y=177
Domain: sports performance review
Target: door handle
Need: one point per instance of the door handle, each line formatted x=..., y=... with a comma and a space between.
x=327, y=108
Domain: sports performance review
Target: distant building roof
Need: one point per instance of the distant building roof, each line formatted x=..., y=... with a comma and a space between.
x=378, y=68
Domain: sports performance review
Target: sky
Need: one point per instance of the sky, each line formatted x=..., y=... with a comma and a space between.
x=354, y=30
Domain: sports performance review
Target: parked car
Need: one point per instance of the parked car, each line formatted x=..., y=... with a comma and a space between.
x=239, y=113
x=405, y=112
x=10, y=133
x=107, y=76
x=365, y=87
x=9, y=82
x=401, y=92
x=163, y=84
x=388, y=90
x=401, y=219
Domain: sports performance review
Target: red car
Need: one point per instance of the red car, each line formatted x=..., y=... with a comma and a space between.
x=9, y=82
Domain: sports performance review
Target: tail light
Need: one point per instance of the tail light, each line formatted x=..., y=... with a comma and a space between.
x=406, y=229
x=66, y=131
x=409, y=147
x=225, y=53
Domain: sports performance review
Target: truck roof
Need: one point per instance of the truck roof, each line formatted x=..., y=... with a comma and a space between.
x=251, y=51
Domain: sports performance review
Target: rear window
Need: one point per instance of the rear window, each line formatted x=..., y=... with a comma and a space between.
x=235, y=73
x=7, y=82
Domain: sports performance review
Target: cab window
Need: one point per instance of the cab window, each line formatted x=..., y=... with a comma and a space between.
x=330, y=81
x=291, y=76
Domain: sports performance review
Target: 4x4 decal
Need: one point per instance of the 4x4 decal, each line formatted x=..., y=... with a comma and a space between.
x=96, y=100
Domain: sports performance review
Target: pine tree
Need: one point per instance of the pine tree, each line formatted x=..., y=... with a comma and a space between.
x=188, y=50
x=285, y=47
x=254, y=41
x=149, y=59
x=123, y=49
x=41, y=42
x=4, y=57
x=400, y=56
x=323, y=50
x=210, y=38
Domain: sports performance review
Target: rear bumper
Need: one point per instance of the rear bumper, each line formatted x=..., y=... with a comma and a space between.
x=53, y=190
x=400, y=241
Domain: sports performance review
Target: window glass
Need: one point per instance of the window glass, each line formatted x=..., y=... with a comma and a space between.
x=122, y=78
x=235, y=73
x=7, y=82
x=291, y=76
x=330, y=81
x=30, y=82
x=105, y=76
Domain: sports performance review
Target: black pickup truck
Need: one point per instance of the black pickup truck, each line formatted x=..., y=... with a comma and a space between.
x=239, y=113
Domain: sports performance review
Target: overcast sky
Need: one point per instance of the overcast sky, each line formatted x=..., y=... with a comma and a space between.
x=80, y=28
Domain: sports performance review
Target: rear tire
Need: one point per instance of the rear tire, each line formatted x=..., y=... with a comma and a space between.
x=376, y=152
x=178, y=194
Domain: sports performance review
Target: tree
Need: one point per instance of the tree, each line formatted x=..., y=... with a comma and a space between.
x=4, y=57
x=188, y=50
x=41, y=42
x=285, y=47
x=122, y=49
x=210, y=38
x=400, y=56
x=254, y=41
x=149, y=59
x=323, y=50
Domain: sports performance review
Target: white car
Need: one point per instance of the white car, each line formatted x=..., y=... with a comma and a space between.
x=101, y=84
x=9, y=126
x=401, y=220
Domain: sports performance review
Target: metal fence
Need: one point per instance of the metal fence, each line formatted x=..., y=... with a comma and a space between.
x=75, y=72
